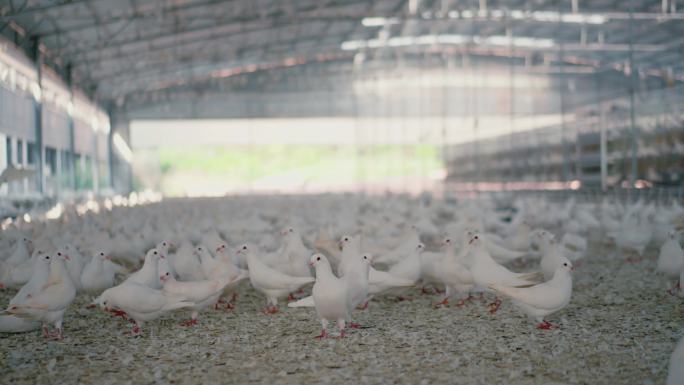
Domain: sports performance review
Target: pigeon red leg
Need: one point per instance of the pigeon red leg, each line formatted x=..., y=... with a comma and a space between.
x=673, y=290
x=444, y=302
x=119, y=313
x=354, y=325
x=546, y=325
x=324, y=334
x=494, y=306
x=190, y=322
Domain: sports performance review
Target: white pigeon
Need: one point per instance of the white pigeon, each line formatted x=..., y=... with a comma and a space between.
x=634, y=235
x=202, y=294
x=486, y=271
x=295, y=253
x=403, y=249
x=330, y=295
x=99, y=273
x=41, y=272
x=21, y=252
x=541, y=300
x=500, y=253
x=269, y=281
x=671, y=259
x=357, y=279
x=74, y=263
x=410, y=266
x=39, y=277
x=229, y=270
x=186, y=264
x=49, y=302
x=16, y=275
x=148, y=274
x=140, y=302
x=14, y=324
x=453, y=273
x=519, y=240
x=551, y=253
x=378, y=281
x=675, y=373
x=574, y=246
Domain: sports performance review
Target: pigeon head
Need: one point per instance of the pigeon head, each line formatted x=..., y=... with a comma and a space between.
x=367, y=258
x=164, y=276
x=154, y=254
x=420, y=247
x=566, y=265
x=287, y=231
x=63, y=256
x=317, y=260
x=446, y=242
x=345, y=240
x=104, y=256
x=475, y=240
x=243, y=250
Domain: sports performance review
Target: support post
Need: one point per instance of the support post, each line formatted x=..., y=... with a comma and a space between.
x=632, y=90
x=38, y=111
x=110, y=144
x=71, y=156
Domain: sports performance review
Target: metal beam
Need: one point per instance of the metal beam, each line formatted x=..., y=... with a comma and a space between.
x=216, y=53
x=152, y=11
x=276, y=16
x=185, y=74
x=43, y=8
x=280, y=63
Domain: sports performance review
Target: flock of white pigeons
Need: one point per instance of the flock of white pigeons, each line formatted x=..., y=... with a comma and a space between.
x=143, y=262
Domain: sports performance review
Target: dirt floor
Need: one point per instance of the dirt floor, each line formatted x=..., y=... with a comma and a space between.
x=620, y=328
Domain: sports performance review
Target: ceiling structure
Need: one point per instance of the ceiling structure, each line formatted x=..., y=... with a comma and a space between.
x=123, y=52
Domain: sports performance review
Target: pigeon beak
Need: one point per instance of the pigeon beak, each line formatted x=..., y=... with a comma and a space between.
x=67, y=258
x=311, y=264
x=108, y=257
x=283, y=232
x=161, y=256
x=572, y=269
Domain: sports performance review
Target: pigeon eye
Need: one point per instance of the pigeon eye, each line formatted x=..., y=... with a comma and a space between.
x=565, y=264
x=318, y=258
x=155, y=253
x=167, y=273
x=244, y=247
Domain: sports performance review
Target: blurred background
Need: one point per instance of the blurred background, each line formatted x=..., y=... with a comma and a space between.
x=214, y=97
